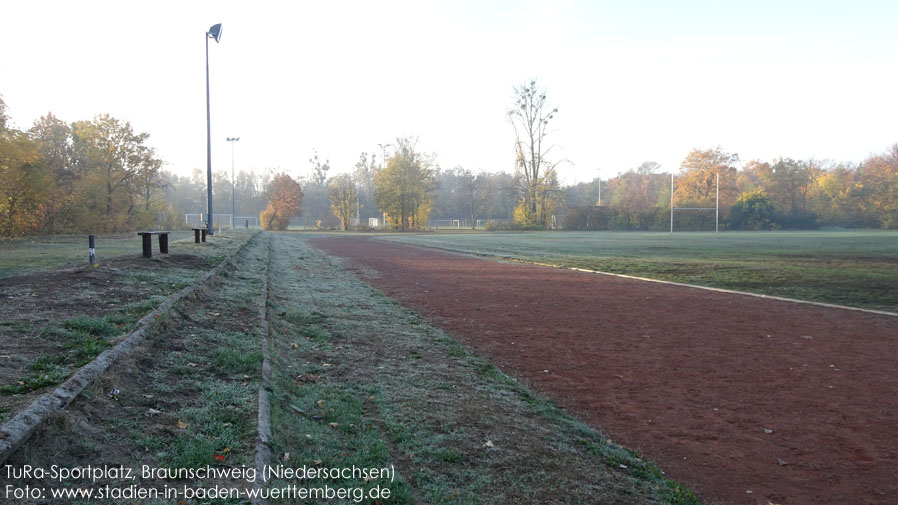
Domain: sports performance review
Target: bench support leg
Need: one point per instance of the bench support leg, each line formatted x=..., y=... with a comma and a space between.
x=163, y=243
x=147, y=246
x=196, y=236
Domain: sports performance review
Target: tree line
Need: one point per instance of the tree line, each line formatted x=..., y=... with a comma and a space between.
x=101, y=176
x=759, y=195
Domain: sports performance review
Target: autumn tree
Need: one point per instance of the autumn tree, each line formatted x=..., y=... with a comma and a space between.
x=24, y=181
x=404, y=188
x=55, y=144
x=536, y=175
x=836, y=197
x=697, y=182
x=878, y=187
x=344, y=196
x=113, y=156
x=753, y=211
x=636, y=193
x=284, y=199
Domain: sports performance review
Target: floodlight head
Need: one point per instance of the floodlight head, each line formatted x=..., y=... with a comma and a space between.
x=215, y=32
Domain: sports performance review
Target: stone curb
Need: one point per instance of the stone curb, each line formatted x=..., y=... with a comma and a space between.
x=263, y=444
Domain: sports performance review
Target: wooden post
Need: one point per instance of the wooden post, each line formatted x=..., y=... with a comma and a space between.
x=163, y=243
x=196, y=235
x=147, y=245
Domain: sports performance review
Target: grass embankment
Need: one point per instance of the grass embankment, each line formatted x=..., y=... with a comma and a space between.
x=360, y=381
x=185, y=399
x=853, y=268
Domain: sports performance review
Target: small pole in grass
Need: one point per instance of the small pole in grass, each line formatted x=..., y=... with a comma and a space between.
x=717, y=208
x=91, y=251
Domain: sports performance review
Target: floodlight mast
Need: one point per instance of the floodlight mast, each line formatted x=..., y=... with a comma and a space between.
x=231, y=140
x=214, y=33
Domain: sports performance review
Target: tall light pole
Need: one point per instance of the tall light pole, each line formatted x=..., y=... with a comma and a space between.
x=383, y=149
x=232, y=140
x=213, y=33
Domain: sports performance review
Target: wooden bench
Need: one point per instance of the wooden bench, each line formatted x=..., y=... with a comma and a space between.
x=147, y=237
x=197, y=232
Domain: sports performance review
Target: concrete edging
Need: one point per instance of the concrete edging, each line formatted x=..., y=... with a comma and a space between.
x=17, y=430
x=263, y=444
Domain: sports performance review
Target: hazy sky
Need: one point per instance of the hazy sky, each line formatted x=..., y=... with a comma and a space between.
x=633, y=81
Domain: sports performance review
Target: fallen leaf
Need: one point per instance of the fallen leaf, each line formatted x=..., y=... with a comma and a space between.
x=182, y=425
x=219, y=457
x=782, y=462
x=286, y=457
x=317, y=462
x=320, y=403
x=767, y=431
x=489, y=443
x=334, y=425
x=154, y=412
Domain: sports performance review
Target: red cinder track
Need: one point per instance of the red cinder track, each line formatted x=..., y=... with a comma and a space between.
x=746, y=400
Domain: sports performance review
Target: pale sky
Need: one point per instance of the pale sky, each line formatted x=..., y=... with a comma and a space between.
x=633, y=81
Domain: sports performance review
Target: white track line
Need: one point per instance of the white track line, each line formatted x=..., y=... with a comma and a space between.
x=646, y=279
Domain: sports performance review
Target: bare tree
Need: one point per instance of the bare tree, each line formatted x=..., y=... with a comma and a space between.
x=530, y=118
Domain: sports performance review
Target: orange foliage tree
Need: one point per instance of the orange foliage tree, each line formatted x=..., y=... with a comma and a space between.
x=284, y=198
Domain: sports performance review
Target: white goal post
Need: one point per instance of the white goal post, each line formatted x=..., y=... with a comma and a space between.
x=219, y=219
x=449, y=223
x=716, y=208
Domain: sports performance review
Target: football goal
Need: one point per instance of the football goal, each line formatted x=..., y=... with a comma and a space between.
x=716, y=207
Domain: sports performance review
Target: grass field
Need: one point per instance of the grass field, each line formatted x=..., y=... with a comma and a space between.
x=22, y=256
x=854, y=268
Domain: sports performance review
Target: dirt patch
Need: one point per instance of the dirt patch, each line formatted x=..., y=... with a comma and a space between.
x=35, y=305
x=184, y=399
x=745, y=399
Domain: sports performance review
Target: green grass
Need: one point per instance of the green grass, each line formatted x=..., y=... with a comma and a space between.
x=38, y=253
x=855, y=268
x=83, y=337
